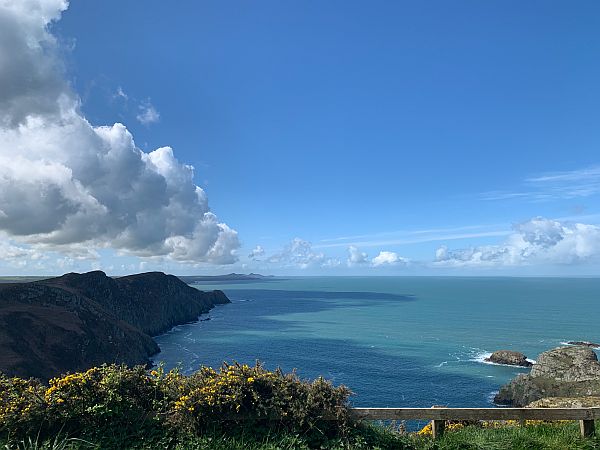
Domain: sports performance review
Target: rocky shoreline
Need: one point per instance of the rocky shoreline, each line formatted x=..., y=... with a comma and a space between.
x=561, y=376
x=77, y=321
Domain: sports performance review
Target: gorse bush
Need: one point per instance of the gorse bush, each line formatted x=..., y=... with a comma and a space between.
x=132, y=402
x=22, y=405
x=243, y=397
x=102, y=397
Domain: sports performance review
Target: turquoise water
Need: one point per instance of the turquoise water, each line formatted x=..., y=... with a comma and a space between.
x=395, y=341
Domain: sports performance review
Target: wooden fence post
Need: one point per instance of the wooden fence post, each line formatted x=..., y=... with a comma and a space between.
x=437, y=426
x=587, y=428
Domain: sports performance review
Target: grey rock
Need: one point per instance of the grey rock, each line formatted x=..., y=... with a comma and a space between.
x=509, y=357
x=561, y=372
x=584, y=343
x=570, y=364
x=566, y=402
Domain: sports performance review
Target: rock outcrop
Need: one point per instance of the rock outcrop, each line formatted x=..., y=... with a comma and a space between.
x=584, y=343
x=77, y=321
x=509, y=357
x=561, y=372
x=566, y=402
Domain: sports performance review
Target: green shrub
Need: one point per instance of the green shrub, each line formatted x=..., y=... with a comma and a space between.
x=116, y=400
x=22, y=406
x=239, y=397
x=103, y=397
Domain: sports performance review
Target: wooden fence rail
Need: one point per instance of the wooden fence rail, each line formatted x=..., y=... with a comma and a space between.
x=438, y=416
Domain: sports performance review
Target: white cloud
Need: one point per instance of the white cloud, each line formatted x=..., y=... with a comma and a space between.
x=356, y=257
x=65, y=263
x=536, y=241
x=572, y=184
x=257, y=253
x=121, y=94
x=68, y=186
x=299, y=253
x=388, y=258
x=148, y=114
x=331, y=263
x=16, y=255
x=30, y=73
x=10, y=252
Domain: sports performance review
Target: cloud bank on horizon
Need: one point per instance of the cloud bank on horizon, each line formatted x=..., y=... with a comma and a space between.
x=537, y=241
x=71, y=187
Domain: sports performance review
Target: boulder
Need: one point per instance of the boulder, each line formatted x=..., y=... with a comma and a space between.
x=510, y=358
x=561, y=372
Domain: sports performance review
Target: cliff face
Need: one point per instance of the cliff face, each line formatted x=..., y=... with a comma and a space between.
x=561, y=372
x=77, y=321
x=153, y=302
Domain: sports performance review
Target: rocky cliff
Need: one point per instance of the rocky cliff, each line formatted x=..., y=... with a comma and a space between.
x=77, y=321
x=153, y=302
x=561, y=372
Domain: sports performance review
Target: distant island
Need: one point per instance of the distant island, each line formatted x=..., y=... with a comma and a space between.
x=77, y=321
x=229, y=277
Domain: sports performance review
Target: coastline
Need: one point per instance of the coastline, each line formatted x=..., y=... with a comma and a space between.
x=318, y=325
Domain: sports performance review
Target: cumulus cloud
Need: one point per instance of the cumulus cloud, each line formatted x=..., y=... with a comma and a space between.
x=68, y=185
x=10, y=252
x=299, y=253
x=387, y=259
x=538, y=240
x=356, y=257
x=31, y=74
x=148, y=114
x=257, y=253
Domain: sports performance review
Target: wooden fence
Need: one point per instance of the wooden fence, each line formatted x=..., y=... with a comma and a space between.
x=438, y=415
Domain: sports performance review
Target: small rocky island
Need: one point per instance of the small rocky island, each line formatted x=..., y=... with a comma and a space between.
x=510, y=358
x=77, y=321
x=560, y=377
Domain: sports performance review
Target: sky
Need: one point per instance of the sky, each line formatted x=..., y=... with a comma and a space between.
x=300, y=138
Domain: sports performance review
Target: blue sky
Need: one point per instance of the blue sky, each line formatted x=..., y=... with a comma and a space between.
x=432, y=132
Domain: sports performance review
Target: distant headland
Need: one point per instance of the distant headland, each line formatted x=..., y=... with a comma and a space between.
x=77, y=321
x=228, y=277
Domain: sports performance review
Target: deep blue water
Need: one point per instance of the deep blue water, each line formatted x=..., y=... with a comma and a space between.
x=395, y=341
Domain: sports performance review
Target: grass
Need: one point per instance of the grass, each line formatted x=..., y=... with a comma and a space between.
x=534, y=437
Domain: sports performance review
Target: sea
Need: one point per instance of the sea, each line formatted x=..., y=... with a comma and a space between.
x=394, y=341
